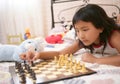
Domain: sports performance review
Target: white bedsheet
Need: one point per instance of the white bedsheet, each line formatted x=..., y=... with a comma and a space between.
x=106, y=74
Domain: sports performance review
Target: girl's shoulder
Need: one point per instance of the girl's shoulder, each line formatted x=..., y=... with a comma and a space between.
x=115, y=38
x=115, y=34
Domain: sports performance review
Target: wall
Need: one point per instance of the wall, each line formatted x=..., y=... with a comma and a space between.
x=16, y=15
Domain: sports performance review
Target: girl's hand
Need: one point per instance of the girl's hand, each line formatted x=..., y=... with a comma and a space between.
x=27, y=56
x=88, y=57
x=23, y=56
x=37, y=56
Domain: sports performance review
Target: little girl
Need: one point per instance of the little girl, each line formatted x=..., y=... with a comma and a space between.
x=95, y=31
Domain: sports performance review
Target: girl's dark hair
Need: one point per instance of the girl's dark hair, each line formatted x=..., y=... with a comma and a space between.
x=98, y=17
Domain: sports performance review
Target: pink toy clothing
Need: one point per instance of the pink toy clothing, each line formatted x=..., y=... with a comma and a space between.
x=53, y=39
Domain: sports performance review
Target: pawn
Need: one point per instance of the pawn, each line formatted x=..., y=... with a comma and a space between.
x=55, y=59
x=32, y=64
x=83, y=69
x=33, y=76
x=23, y=79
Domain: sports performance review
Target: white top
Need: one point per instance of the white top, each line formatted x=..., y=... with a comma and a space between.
x=109, y=50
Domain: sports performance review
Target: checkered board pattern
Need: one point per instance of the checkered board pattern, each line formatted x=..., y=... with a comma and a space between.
x=49, y=71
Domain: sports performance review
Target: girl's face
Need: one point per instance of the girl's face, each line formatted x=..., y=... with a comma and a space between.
x=87, y=33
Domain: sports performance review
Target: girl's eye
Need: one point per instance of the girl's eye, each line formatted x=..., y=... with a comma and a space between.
x=35, y=49
x=77, y=30
x=85, y=29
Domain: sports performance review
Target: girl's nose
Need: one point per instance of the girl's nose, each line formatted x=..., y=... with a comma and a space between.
x=81, y=35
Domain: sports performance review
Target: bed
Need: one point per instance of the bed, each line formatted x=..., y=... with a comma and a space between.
x=63, y=10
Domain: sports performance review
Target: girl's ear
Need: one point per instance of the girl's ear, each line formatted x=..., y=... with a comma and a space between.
x=118, y=19
x=101, y=30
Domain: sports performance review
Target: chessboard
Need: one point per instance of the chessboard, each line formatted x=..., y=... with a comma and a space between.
x=48, y=71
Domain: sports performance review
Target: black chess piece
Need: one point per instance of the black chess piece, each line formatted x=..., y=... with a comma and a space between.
x=22, y=78
x=33, y=75
x=32, y=64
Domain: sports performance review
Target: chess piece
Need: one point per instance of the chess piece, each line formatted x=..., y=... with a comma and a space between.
x=23, y=79
x=71, y=57
x=32, y=64
x=55, y=59
x=83, y=68
x=79, y=66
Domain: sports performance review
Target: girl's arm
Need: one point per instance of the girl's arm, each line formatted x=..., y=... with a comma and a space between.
x=50, y=54
x=110, y=60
